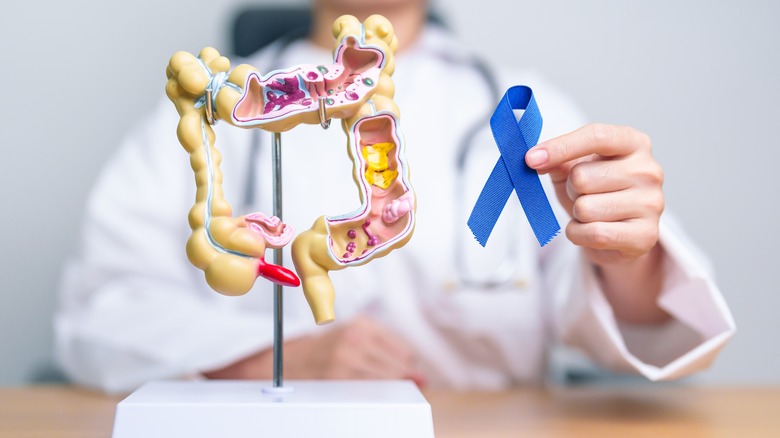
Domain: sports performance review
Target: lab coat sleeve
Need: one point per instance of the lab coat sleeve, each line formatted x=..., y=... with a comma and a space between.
x=132, y=307
x=700, y=326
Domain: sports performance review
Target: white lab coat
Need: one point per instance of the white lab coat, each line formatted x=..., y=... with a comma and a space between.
x=133, y=308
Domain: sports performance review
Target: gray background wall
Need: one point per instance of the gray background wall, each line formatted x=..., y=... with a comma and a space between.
x=702, y=77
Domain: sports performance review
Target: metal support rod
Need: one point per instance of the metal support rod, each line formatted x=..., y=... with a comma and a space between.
x=276, y=156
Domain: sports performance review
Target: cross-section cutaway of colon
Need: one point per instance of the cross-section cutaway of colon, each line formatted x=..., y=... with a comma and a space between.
x=356, y=88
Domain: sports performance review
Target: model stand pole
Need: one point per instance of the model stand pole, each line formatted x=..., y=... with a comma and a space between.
x=276, y=157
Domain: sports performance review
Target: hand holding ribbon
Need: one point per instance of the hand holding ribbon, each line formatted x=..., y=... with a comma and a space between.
x=606, y=178
x=511, y=173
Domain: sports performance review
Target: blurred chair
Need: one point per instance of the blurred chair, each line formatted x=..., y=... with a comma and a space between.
x=254, y=27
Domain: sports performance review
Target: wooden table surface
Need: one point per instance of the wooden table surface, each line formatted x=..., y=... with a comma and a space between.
x=663, y=411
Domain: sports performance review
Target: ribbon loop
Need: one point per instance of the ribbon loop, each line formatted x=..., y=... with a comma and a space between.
x=510, y=173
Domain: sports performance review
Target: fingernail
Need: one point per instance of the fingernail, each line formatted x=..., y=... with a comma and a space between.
x=536, y=157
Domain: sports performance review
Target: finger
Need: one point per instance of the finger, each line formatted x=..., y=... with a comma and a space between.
x=393, y=350
x=371, y=361
x=599, y=177
x=348, y=363
x=559, y=177
x=600, y=139
x=352, y=360
x=631, y=237
x=379, y=347
x=387, y=366
x=601, y=257
x=560, y=174
x=393, y=344
x=368, y=369
x=618, y=206
x=418, y=378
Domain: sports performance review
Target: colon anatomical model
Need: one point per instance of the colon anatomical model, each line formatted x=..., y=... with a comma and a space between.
x=356, y=88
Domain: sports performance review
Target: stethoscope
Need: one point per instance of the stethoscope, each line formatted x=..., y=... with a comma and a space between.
x=466, y=275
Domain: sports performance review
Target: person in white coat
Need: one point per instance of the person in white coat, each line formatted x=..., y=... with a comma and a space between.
x=623, y=285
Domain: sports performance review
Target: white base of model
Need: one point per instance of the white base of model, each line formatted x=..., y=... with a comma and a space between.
x=238, y=409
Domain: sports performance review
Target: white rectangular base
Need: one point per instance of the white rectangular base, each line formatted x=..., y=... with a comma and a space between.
x=238, y=409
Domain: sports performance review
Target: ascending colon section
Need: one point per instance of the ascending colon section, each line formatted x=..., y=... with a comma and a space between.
x=230, y=251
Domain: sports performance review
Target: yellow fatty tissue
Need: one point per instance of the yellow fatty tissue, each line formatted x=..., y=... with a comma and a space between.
x=377, y=172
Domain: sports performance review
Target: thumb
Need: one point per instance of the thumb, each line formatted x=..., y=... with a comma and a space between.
x=538, y=156
x=558, y=174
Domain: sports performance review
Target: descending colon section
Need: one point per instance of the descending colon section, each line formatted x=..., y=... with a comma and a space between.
x=385, y=219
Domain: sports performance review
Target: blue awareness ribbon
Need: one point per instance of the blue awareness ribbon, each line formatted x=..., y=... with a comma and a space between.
x=510, y=173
